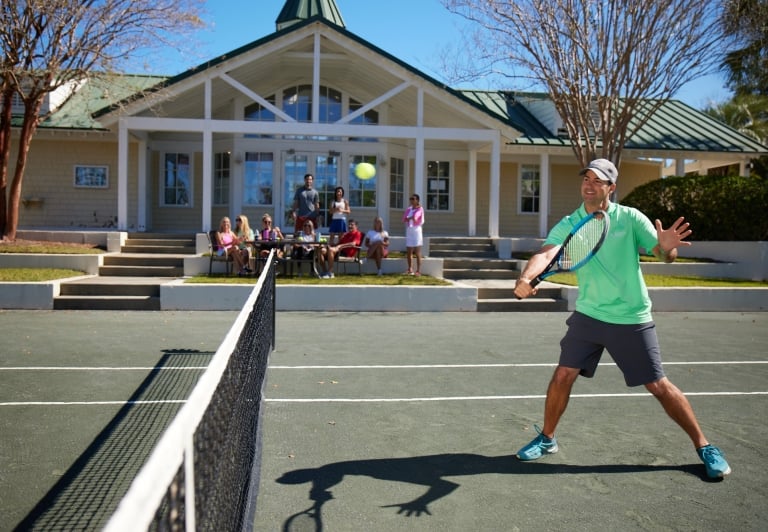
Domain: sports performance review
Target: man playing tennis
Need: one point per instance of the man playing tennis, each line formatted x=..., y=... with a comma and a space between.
x=613, y=312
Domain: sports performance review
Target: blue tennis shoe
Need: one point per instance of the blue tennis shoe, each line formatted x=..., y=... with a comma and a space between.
x=714, y=461
x=540, y=446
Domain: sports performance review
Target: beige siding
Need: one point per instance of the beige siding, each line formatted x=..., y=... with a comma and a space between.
x=49, y=176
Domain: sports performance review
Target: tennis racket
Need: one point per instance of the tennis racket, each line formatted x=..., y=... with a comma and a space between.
x=579, y=246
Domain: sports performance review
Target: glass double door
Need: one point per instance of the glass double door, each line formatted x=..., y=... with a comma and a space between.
x=326, y=170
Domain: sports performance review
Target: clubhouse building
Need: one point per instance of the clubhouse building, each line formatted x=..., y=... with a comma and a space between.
x=237, y=134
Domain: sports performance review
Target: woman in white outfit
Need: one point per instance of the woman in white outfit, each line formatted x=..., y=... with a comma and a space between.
x=414, y=219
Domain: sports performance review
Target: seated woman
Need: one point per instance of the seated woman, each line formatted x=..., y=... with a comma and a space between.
x=228, y=243
x=304, y=251
x=377, y=242
x=269, y=237
x=245, y=237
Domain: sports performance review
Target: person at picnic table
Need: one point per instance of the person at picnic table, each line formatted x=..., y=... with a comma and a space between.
x=304, y=251
x=377, y=242
x=228, y=243
x=306, y=204
x=269, y=237
x=339, y=211
x=347, y=245
x=245, y=237
x=613, y=312
x=413, y=217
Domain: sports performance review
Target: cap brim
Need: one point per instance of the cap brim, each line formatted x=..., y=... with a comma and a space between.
x=599, y=173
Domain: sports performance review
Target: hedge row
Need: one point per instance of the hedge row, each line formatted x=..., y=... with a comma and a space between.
x=717, y=207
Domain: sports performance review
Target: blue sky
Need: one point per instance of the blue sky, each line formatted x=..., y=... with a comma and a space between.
x=415, y=31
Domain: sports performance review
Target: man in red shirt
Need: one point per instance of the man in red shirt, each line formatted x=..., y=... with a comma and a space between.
x=347, y=246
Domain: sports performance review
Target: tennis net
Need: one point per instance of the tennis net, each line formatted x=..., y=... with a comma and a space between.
x=203, y=473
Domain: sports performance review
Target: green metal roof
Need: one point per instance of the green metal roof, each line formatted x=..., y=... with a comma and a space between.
x=94, y=94
x=295, y=11
x=674, y=127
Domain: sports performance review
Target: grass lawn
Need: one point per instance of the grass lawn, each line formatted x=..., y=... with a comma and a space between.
x=49, y=274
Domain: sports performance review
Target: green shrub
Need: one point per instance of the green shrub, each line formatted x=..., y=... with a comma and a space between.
x=718, y=208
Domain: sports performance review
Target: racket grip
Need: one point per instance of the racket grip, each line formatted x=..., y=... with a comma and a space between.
x=535, y=281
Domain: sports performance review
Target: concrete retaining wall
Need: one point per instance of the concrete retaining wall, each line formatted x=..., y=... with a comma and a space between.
x=180, y=296
x=85, y=263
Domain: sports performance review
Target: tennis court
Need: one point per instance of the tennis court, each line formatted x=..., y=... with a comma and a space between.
x=390, y=421
x=385, y=422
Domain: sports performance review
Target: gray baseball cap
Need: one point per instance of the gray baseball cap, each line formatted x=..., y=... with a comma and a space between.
x=603, y=169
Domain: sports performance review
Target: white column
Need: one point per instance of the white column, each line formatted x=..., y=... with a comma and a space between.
x=545, y=182
x=679, y=166
x=122, y=176
x=495, y=187
x=141, y=221
x=472, y=194
x=420, y=164
x=316, y=80
x=207, y=160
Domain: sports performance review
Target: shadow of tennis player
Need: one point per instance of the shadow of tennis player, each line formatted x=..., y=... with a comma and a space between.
x=430, y=471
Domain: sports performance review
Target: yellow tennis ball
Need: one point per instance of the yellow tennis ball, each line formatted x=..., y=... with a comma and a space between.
x=365, y=171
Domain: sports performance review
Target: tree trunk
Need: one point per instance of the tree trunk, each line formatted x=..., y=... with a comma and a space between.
x=28, y=129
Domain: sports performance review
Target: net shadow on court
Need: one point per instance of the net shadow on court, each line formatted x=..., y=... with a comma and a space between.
x=90, y=490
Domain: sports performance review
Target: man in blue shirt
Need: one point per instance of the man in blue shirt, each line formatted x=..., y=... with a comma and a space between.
x=613, y=312
x=306, y=204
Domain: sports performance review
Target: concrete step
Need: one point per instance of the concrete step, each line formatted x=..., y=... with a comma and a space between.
x=109, y=290
x=163, y=248
x=509, y=293
x=480, y=264
x=141, y=271
x=106, y=303
x=142, y=260
x=457, y=274
x=467, y=253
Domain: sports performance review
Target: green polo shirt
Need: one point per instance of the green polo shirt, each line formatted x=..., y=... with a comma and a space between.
x=611, y=284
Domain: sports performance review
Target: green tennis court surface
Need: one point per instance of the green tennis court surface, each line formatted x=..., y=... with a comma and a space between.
x=391, y=421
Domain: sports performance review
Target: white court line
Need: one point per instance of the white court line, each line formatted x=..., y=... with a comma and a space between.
x=521, y=365
x=494, y=397
x=373, y=400
x=99, y=368
x=89, y=403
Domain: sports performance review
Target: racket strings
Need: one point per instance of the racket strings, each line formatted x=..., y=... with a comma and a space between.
x=581, y=245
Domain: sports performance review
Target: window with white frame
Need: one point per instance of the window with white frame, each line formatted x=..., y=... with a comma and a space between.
x=530, y=185
x=258, y=181
x=221, y=173
x=396, y=183
x=89, y=176
x=438, y=186
x=177, y=179
x=362, y=192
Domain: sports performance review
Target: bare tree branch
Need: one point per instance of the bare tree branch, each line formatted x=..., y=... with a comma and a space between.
x=57, y=45
x=607, y=65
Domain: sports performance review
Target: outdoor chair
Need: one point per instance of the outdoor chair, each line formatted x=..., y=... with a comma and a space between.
x=213, y=248
x=343, y=260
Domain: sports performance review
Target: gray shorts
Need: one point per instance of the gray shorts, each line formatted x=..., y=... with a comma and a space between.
x=634, y=348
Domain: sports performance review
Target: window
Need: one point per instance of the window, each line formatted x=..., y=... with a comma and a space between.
x=258, y=181
x=438, y=186
x=362, y=192
x=370, y=117
x=221, y=170
x=91, y=176
x=529, y=188
x=177, y=173
x=297, y=102
x=396, y=183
